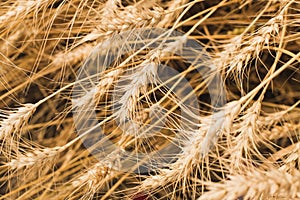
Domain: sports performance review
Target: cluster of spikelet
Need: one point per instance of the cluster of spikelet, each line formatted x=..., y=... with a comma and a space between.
x=246, y=147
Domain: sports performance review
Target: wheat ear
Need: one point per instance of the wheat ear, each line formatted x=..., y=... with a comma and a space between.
x=197, y=147
x=34, y=158
x=117, y=20
x=247, y=139
x=20, y=9
x=73, y=57
x=14, y=120
x=99, y=174
x=9, y=45
x=146, y=73
x=256, y=185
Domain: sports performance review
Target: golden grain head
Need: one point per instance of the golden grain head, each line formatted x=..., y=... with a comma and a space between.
x=164, y=99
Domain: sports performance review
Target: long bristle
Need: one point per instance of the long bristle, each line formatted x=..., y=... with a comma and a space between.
x=163, y=99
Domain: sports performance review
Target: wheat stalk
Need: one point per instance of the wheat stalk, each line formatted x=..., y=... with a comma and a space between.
x=247, y=148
